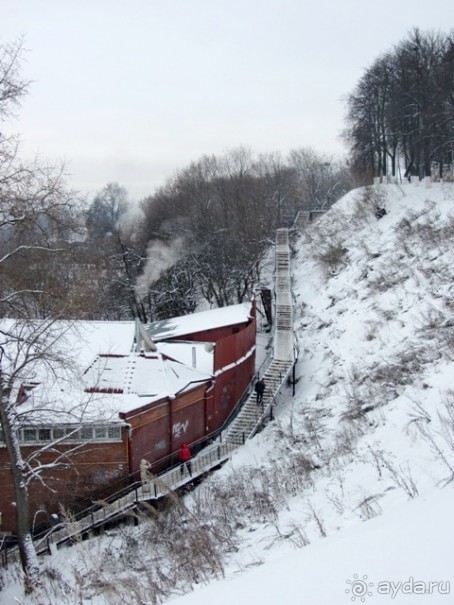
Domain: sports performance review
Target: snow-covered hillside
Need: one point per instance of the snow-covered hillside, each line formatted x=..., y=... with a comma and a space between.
x=347, y=495
x=372, y=417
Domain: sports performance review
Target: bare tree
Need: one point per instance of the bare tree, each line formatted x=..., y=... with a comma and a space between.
x=36, y=220
x=12, y=86
x=401, y=109
x=106, y=210
x=175, y=293
x=320, y=180
x=26, y=348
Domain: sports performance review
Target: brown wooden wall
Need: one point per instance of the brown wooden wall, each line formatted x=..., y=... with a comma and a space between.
x=213, y=335
x=159, y=431
x=234, y=347
x=217, y=334
x=96, y=470
x=229, y=387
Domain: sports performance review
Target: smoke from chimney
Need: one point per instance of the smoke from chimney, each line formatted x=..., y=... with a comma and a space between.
x=160, y=257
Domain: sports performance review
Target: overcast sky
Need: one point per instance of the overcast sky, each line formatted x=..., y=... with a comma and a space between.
x=130, y=91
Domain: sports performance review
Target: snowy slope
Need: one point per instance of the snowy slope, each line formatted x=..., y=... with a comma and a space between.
x=402, y=555
x=349, y=491
x=373, y=412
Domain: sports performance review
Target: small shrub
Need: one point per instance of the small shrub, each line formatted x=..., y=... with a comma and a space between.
x=298, y=535
x=370, y=200
x=369, y=507
x=345, y=440
x=331, y=256
x=314, y=515
x=402, y=475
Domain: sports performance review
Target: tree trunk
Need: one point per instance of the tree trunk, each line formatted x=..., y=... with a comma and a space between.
x=28, y=557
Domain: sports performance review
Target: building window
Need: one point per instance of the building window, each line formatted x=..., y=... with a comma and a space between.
x=44, y=435
x=47, y=434
x=86, y=433
x=72, y=434
x=58, y=433
x=114, y=432
x=100, y=433
x=29, y=435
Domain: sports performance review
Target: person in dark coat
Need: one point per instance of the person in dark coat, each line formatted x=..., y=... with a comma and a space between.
x=184, y=456
x=260, y=389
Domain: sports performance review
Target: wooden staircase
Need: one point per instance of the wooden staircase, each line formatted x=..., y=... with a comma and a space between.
x=251, y=416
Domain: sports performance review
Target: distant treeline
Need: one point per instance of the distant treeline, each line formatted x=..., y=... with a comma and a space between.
x=401, y=113
x=201, y=236
x=204, y=233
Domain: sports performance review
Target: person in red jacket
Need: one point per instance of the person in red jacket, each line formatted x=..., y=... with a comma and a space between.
x=184, y=456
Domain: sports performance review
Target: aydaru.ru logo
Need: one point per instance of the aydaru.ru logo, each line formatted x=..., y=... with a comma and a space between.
x=359, y=588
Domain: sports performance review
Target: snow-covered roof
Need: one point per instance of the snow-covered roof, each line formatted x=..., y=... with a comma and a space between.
x=96, y=375
x=198, y=322
x=140, y=379
x=112, y=385
x=82, y=339
x=91, y=338
x=197, y=355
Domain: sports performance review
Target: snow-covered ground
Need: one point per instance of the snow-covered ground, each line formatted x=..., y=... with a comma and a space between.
x=373, y=410
x=404, y=555
x=347, y=495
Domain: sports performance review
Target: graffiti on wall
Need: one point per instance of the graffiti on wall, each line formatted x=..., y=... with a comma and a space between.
x=179, y=428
